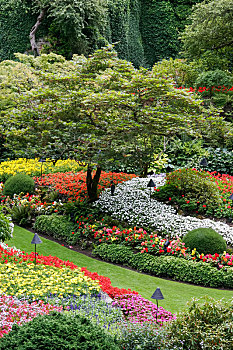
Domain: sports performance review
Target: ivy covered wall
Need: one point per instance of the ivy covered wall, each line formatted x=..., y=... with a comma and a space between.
x=145, y=31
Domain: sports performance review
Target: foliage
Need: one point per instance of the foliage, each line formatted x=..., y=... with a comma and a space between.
x=167, y=266
x=58, y=330
x=185, y=152
x=6, y=227
x=124, y=30
x=158, y=31
x=205, y=324
x=56, y=226
x=146, y=336
x=214, y=79
x=220, y=160
x=19, y=183
x=205, y=240
x=196, y=190
x=208, y=36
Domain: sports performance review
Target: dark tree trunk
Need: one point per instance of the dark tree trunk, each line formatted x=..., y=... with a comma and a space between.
x=92, y=183
x=33, y=31
x=144, y=170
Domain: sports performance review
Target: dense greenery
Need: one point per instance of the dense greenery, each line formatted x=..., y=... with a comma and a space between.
x=17, y=184
x=167, y=266
x=205, y=324
x=56, y=226
x=205, y=240
x=144, y=31
x=58, y=331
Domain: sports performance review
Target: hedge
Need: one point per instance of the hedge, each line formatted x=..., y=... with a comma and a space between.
x=179, y=269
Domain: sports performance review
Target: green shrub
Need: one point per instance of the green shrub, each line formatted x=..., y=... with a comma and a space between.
x=200, y=273
x=6, y=227
x=19, y=183
x=206, y=324
x=205, y=240
x=57, y=331
x=56, y=226
x=220, y=160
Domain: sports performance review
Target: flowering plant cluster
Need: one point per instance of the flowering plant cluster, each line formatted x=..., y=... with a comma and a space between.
x=12, y=255
x=73, y=185
x=136, y=309
x=34, y=167
x=6, y=227
x=14, y=311
x=212, y=199
x=201, y=89
x=132, y=203
x=32, y=202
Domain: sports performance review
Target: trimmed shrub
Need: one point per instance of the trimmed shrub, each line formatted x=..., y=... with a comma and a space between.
x=56, y=226
x=172, y=267
x=19, y=183
x=58, y=331
x=206, y=324
x=205, y=240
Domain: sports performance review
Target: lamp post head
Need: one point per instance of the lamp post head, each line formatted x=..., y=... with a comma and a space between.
x=36, y=239
x=157, y=295
x=231, y=197
x=203, y=162
x=151, y=183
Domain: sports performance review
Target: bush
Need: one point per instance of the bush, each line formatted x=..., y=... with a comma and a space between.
x=205, y=240
x=20, y=183
x=220, y=160
x=206, y=324
x=6, y=227
x=56, y=226
x=57, y=331
x=179, y=269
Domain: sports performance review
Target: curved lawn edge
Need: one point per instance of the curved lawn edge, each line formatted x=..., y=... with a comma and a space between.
x=175, y=294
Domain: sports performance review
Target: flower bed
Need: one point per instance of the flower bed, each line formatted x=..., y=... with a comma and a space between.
x=73, y=185
x=14, y=311
x=33, y=167
x=132, y=203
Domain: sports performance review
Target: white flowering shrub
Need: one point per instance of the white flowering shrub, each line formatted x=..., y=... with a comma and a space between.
x=131, y=202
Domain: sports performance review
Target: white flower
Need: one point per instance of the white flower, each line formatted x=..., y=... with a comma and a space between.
x=131, y=202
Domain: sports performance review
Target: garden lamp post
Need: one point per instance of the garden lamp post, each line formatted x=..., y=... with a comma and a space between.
x=112, y=186
x=151, y=184
x=158, y=296
x=36, y=240
x=203, y=163
x=41, y=160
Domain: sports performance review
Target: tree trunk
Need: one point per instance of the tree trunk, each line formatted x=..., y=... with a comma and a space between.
x=33, y=31
x=92, y=183
x=144, y=170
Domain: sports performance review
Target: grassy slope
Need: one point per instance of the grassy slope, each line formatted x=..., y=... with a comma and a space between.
x=175, y=294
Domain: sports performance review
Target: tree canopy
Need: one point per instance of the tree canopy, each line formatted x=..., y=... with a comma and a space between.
x=211, y=30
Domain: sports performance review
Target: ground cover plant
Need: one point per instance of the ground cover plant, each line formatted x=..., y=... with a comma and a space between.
x=132, y=203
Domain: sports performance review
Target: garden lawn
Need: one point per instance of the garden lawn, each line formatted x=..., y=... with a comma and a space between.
x=175, y=294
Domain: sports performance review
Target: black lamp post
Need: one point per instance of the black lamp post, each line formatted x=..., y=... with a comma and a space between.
x=41, y=160
x=36, y=240
x=112, y=186
x=203, y=163
x=158, y=296
x=151, y=184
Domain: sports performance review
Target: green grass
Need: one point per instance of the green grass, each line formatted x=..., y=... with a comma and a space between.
x=175, y=294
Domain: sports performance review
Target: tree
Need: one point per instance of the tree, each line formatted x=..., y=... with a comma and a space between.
x=94, y=108
x=210, y=32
